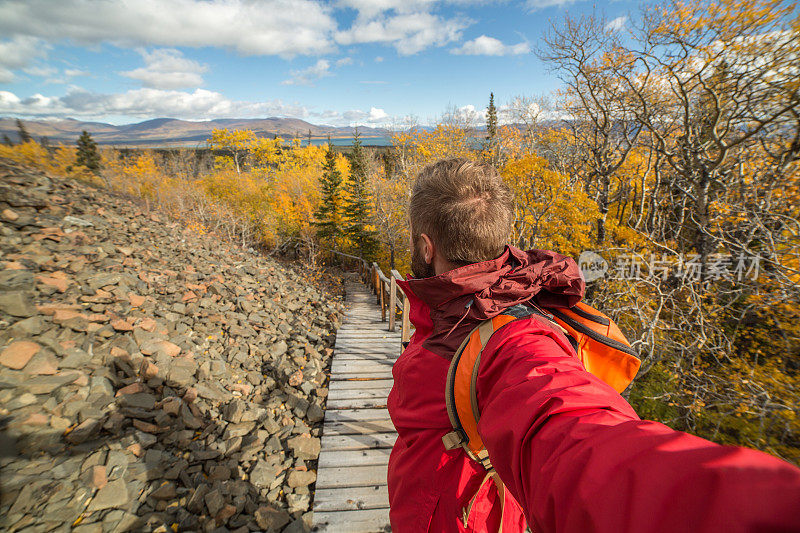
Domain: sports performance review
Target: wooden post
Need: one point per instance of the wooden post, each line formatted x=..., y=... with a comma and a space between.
x=376, y=283
x=392, y=302
x=406, y=331
x=383, y=300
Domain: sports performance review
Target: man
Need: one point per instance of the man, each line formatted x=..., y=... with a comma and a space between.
x=572, y=453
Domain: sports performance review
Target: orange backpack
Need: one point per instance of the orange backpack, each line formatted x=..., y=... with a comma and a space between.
x=598, y=342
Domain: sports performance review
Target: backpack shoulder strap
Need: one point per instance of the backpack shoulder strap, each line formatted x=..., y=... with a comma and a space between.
x=460, y=391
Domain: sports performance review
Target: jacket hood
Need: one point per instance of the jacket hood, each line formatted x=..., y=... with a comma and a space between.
x=459, y=299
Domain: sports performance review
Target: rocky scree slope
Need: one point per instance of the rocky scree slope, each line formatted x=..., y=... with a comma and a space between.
x=151, y=379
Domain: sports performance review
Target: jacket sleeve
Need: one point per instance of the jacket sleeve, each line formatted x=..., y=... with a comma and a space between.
x=577, y=458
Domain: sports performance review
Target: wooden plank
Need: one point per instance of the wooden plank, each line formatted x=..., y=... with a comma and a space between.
x=360, y=384
x=352, y=498
x=351, y=394
x=366, y=357
x=351, y=476
x=357, y=442
x=358, y=403
x=353, y=427
x=349, y=415
x=337, y=458
x=360, y=366
x=361, y=375
x=367, y=520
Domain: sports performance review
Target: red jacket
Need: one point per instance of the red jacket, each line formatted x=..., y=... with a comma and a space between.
x=570, y=449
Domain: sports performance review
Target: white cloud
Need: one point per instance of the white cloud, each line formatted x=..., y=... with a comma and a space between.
x=489, y=46
x=266, y=27
x=379, y=59
x=617, y=24
x=52, y=74
x=166, y=68
x=307, y=76
x=409, y=33
x=344, y=61
x=17, y=53
x=535, y=5
x=374, y=117
x=144, y=103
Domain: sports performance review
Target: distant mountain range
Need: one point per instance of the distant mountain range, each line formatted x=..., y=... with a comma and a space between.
x=166, y=131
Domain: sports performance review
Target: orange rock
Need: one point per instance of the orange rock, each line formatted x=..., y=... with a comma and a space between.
x=17, y=354
x=60, y=285
x=50, y=309
x=147, y=427
x=296, y=378
x=37, y=419
x=135, y=299
x=13, y=265
x=10, y=215
x=190, y=395
x=116, y=351
x=136, y=449
x=133, y=388
x=244, y=388
x=62, y=315
x=147, y=324
x=98, y=476
x=121, y=325
x=148, y=370
x=189, y=296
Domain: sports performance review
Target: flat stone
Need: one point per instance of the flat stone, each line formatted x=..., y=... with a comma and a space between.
x=47, y=384
x=166, y=491
x=140, y=400
x=17, y=354
x=114, y=494
x=298, y=502
x=43, y=363
x=214, y=501
x=315, y=413
x=263, y=474
x=299, y=478
x=271, y=518
x=16, y=303
x=238, y=430
x=279, y=348
x=304, y=447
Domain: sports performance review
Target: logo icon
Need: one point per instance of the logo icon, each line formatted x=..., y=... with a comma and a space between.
x=592, y=265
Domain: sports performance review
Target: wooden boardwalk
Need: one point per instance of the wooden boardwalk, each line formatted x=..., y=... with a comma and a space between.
x=357, y=435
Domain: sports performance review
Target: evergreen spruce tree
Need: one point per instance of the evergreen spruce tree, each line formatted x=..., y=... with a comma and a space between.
x=7, y=140
x=327, y=216
x=87, y=153
x=356, y=207
x=491, y=129
x=24, y=136
x=491, y=118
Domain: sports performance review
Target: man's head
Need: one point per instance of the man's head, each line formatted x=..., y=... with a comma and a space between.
x=461, y=212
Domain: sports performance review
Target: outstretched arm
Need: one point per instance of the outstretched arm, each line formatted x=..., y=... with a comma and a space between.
x=577, y=457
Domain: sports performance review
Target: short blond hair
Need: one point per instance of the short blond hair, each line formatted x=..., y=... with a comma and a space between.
x=464, y=207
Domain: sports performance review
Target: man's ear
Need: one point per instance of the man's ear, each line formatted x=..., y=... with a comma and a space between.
x=428, y=249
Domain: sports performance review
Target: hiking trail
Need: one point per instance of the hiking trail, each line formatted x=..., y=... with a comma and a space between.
x=357, y=436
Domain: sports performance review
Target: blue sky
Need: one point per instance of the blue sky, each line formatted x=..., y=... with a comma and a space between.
x=346, y=62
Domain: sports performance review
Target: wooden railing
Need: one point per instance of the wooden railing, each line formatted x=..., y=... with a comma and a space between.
x=386, y=292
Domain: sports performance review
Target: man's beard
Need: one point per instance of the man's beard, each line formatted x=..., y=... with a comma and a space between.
x=419, y=267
